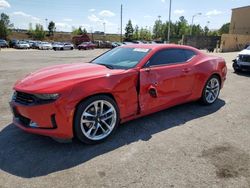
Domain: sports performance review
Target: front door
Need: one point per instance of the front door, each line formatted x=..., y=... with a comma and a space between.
x=166, y=80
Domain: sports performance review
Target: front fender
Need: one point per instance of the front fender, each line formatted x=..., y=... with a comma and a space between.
x=121, y=87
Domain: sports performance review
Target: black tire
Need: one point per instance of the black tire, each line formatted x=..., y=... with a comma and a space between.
x=72, y=48
x=61, y=49
x=236, y=68
x=79, y=111
x=203, y=99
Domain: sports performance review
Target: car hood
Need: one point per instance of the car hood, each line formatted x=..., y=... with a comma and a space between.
x=56, y=78
x=245, y=52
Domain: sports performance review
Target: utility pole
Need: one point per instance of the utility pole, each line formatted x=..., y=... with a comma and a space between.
x=121, y=21
x=169, y=20
x=198, y=14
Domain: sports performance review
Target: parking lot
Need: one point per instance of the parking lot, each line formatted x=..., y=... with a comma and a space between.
x=186, y=146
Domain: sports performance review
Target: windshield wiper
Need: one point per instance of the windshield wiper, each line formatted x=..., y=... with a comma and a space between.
x=108, y=66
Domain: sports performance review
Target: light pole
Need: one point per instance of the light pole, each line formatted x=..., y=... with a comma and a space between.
x=104, y=29
x=121, y=22
x=169, y=20
x=198, y=14
x=46, y=21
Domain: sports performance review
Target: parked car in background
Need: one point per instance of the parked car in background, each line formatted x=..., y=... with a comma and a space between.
x=3, y=44
x=13, y=43
x=242, y=62
x=30, y=42
x=128, y=43
x=86, y=46
x=36, y=44
x=22, y=45
x=62, y=46
x=89, y=100
x=45, y=46
x=116, y=44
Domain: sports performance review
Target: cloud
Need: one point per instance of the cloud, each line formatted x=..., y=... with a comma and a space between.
x=213, y=13
x=23, y=14
x=92, y=10
x=98, y=24
x=94, y=18
x=106, y=13
x=61, y=26
x=163, y=1
x=4, y=4
x=178, y=11
x=67, y=20
x=147, y=16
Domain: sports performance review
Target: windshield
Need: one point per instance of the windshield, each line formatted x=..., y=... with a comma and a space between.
x=248, y=48
x=122, y=58
x=23, y=42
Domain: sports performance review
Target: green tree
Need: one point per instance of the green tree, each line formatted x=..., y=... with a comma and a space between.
x=5, y=26
x=51, y=28
x=38, y=33
x=224, y=29
x=79, y=31
x=145, y=34
x=182, y=27
x=206, y=30
x=84, y=31
x=213, y=33
x=136, y=33
x=197, y=30
x=129, y=30
x=158, y=29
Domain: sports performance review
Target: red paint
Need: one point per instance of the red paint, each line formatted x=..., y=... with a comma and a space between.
x=174, y=84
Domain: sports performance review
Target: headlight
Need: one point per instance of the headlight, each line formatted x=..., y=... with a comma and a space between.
x=47, y=96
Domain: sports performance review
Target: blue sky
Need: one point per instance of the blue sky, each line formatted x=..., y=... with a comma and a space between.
x=92, y=14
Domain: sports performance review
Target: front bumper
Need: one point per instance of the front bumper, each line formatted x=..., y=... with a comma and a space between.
x=46, y=119
x=239, y=65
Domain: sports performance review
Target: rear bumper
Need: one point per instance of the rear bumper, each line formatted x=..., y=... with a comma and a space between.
x=48, y=119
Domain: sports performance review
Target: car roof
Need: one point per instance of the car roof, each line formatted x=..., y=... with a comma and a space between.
x=159, y=46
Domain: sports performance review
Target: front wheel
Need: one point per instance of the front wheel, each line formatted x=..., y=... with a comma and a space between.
x=211, y=90
x=96, y=119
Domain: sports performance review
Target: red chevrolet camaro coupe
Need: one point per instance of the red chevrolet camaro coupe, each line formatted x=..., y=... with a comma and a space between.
x=89, y=100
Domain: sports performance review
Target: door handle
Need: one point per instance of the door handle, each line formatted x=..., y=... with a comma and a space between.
x=186, y=70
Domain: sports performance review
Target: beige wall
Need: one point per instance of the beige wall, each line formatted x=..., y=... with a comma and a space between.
x=240, y=21
x=233, y=42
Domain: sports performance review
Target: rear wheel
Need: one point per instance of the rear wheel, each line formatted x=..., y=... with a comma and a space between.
x=96, y=119
x=211, y=90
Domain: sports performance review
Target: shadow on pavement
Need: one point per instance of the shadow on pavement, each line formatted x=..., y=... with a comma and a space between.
x=243, y=73
x=26, y=155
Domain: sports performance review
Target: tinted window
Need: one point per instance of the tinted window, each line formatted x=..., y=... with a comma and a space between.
x=189, y=54
x=170, y=56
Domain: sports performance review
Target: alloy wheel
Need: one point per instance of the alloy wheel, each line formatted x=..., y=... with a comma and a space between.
x=98, y=120
x=212, y=90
